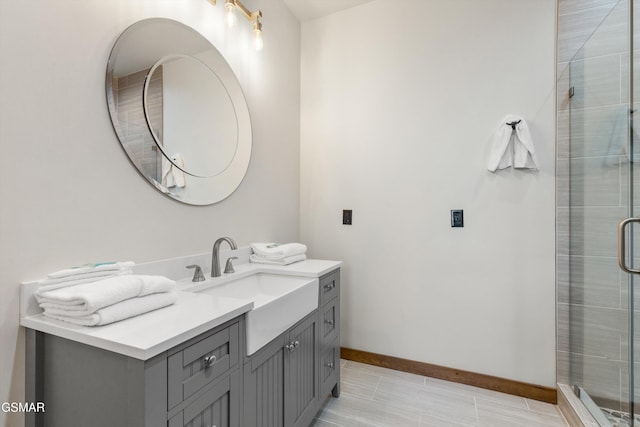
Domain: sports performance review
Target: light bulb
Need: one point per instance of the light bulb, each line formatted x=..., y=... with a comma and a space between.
x=230, y=15
x=258, y=40
x=257, y=29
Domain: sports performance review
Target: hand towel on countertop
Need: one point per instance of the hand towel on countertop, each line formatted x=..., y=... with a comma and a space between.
x=283, y=261
x=78, y=279
x=522, y=156
x=277, y=251
x=105, y=267
x=119, y=311
x=89, y=297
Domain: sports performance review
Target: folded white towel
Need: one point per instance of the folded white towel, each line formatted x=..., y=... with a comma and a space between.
x=89, y=297
x=119, y=311
x=522, y=155
x=284, y=261
x=277, y=251
x=107, y=267
x=78, y=279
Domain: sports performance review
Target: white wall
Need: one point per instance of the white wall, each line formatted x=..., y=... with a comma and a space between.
x=68, y=192
x=400, y=99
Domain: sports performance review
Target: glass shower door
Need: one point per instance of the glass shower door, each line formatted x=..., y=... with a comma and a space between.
x=602, y=314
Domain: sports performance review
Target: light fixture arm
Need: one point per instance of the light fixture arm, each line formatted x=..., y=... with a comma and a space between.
x=251, y=16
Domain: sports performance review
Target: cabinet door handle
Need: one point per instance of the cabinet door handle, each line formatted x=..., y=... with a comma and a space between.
x=329, y=322
x=330, y=286
x=209, y=361
x=330, y=365
x=292, y=345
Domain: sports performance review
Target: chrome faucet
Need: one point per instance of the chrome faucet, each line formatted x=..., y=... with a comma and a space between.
x=215, y=255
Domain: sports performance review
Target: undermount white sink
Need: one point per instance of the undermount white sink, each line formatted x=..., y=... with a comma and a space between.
x=279, y=301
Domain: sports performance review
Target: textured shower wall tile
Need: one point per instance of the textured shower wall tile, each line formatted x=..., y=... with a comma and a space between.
x=562, y=230
x=611, y=36
x=563, y=84
x=574, y=29
x=562, y=278
x=563, y=136
x=596, y=331
x=562, y=182
x=624, y=339
x=600, y=377
x=569, y=6
x=594, y=230
x=562, y=327
x=596, y=82
x=595, y=181
x=562, y=367
x=624, y=76
x=595, y=281
x=595, y=132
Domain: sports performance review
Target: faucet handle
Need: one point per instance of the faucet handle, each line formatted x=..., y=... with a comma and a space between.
x=228, y=268
x=197, y=275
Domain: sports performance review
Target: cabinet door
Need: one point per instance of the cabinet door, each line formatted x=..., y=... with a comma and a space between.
x=301, y=373
x=217, y=406
x=264, y=386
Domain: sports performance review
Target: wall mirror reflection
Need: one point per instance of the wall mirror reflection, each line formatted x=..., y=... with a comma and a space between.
x=178, y=111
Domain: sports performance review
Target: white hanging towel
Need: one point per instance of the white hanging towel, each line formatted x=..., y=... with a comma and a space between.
x=522, y=155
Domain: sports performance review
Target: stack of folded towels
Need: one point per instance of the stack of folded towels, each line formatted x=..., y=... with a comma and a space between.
x=100, y=294
x=278, y=254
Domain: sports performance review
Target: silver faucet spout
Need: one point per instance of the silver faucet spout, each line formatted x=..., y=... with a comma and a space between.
x=215, y=255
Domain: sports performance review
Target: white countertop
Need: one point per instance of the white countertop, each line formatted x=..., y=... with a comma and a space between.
x=149, y=334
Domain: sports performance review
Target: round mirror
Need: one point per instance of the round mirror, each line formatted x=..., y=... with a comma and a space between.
x=178, y=111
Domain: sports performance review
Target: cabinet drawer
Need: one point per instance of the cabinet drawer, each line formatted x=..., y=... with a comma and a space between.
x=329, y=286
x=330, y=367
x=216, y=406
x=201, y=363
x=330, y=318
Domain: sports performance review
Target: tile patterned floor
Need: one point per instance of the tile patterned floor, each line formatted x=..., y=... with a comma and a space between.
x=373, y=396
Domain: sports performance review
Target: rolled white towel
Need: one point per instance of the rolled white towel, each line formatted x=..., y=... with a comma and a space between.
x=278, y=251
x=119, y=311
x=284, y=261
x=89, y=297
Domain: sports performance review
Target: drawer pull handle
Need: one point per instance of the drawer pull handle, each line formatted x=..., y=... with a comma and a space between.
x=292, y=345
x=330, y=365
x=329, y=322
x=330, y=286
x=209, y=361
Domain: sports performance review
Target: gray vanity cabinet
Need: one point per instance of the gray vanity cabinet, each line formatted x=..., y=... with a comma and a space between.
x=287, y=381
x=195, y=384
x=206, y=381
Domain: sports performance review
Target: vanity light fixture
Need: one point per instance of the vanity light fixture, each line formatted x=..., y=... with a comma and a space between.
x=230, y=15
x=255, y=16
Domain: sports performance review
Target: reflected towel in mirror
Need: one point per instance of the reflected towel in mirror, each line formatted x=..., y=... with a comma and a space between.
x=172, y=171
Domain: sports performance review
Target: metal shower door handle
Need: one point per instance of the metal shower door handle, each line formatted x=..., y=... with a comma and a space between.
x=622, y=246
